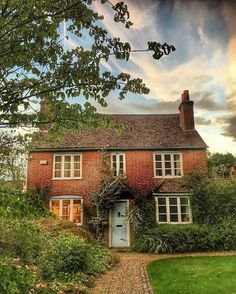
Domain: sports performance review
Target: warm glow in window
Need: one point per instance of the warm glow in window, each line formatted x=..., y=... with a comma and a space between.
x=67, y=209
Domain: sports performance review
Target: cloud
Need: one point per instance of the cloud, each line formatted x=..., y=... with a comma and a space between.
x=202, y=121
x=208, y=103
x=230, y=128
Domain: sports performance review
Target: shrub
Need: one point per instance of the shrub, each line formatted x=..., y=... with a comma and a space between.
x=69, y=254
x=21, y=239
x=186, y=238
x=15, y=278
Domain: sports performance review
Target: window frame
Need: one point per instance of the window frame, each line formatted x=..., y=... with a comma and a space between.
x=117, y=154
x=63, y=155
x=71, y=198
x=167, y=197
x=171, y=153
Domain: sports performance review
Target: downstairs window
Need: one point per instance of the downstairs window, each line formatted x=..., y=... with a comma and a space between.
x=68, y=208
x=173, y=209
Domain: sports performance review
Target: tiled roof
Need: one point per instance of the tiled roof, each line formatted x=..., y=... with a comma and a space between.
x=171, y=186
x=158, y=131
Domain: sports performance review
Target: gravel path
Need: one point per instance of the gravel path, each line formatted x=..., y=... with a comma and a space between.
x=130, y=275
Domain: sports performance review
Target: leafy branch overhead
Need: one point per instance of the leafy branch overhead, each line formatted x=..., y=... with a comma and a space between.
x=37, y=63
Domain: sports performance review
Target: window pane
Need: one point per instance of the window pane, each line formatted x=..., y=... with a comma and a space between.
x=57, y=174
x=173, y=217
x=121, y=157
x=162, y=201
x=173, y=201
x=158, y=157
x=168, y=172
x=159, y=172
x=67, y=158
x=77, y=211
x=184, y=209
x=55, y=207
x=77, y=159
x=67, y=173
x=173, y=209
x=65, y=209
x=57, y=165
x=183, y=201
x=162, y=218
x=158, y=165
x=162, y=209
x=185, y=218
x=57, y=158
x=177, y=172
x=167, y=157
x=77, y=173
x=67, y=165
x=167, y=164
x=176, y=157
x=177, y=164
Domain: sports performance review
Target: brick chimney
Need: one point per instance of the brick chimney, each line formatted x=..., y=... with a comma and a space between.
x=233, y=172
x=186, y=112
x=45, y=112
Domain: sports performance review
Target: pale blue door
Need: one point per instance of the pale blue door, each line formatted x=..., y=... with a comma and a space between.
x=119, y=225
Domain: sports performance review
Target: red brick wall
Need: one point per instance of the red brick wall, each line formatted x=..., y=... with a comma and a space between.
x=139, y=170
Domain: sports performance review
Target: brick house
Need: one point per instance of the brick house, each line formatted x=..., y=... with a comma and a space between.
x=152, y=153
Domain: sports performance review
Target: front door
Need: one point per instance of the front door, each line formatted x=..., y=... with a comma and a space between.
x=119, y=225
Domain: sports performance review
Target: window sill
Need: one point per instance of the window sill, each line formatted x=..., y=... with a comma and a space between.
x=168, y=177
x=176, y=223
x=63, y=179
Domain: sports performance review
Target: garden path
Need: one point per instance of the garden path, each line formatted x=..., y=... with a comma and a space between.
x=130, y=275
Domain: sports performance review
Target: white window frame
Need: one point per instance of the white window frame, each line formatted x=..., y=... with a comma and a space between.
x=163, y=164
x=62, y=165
x=178, y=196
x=71, y=198
x=117, y=154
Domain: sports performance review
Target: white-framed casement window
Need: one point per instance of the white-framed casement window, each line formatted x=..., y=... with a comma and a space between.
x=118, y=164
x=68, y=208
x=173, y=209
x=168, y=165
x=67, y=166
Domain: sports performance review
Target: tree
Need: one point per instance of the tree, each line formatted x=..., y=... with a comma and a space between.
x=35, y=66
x=219, y=164
x=12, y=160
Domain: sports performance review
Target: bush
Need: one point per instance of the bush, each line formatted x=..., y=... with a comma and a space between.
x=69, y=254
x=214, y=202
x=186, y=238
x=22, y=239
x=15, y=278
x=15, y=204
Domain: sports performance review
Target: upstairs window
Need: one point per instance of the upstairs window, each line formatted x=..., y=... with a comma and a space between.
x=168, y=165
x=68, y=208
x=67, y=166
x=173, y=209
x=118, y=164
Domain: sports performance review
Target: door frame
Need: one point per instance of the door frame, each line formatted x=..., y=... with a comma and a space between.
x=128, y=223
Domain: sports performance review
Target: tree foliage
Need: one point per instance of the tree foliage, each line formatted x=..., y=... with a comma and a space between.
x=35, y=65
x=220, y=164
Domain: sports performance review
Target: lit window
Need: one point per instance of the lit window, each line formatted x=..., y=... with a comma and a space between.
x=67, y=208
x=67, y=166
x=173, y=209
x=168, y=165
x=118, y=164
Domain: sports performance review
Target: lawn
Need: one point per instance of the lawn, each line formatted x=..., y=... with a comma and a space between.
x=211, y=274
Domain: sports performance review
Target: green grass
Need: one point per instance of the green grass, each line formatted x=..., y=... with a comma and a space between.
x=211, y=275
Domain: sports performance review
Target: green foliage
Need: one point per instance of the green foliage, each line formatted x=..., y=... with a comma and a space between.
x=15, y=204
x=219, y=164
x=15, y=278
x=214, y=202
x=21, y=239
x=69, y=254
x=186, y=238
x=52, y=70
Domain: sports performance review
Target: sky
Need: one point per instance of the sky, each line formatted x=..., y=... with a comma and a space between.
x=204, y=34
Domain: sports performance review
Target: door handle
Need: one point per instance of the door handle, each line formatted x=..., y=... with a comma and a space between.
x=119, y=226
